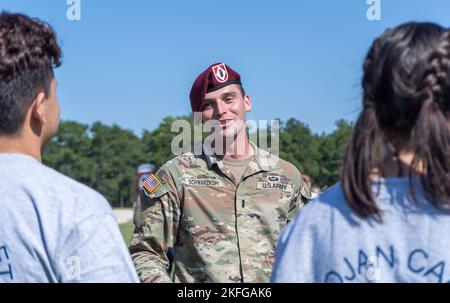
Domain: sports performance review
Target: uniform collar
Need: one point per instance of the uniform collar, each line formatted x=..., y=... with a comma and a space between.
x=264, y=161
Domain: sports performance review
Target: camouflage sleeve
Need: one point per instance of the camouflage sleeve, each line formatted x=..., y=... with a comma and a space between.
x=156, y=218
x=302, y=196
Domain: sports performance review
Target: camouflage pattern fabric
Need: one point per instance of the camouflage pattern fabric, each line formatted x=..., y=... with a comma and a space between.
x=217, y=228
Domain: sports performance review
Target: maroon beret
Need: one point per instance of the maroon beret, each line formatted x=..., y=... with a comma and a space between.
x=215, y=77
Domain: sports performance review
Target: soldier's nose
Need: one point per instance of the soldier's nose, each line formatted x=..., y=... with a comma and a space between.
x=220, y=109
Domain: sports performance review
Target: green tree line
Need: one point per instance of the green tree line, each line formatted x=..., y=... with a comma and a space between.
x=105, y=158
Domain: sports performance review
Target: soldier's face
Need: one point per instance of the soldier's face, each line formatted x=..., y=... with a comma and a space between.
x=228, y=107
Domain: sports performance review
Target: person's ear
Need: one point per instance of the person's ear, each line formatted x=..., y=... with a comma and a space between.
x=38, y=109
x=248, y=103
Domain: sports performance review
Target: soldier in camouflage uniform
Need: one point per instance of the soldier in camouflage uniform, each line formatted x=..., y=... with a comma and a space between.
x=219, y=216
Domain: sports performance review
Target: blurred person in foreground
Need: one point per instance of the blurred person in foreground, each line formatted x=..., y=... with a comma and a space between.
x=52, y=228
x=388, y=219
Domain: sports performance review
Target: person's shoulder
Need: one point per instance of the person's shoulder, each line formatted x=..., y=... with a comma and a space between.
x=330, y=204
x=50, y=190
x=73, y=190
x=183, y=162
x=333, y=197
x=65, y=182
x=287, y=166
x=34, y=175
x=292, y=172
x=175, y=168
x=272, y=162
x=171, y=173
x=330, y=198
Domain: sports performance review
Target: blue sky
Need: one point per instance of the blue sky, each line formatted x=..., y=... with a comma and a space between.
x=133, y=62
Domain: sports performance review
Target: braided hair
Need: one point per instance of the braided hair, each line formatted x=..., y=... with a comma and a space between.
x=406, y=102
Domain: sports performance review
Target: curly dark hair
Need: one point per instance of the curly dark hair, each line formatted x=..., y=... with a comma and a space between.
x=406, y=100
x=28, y=53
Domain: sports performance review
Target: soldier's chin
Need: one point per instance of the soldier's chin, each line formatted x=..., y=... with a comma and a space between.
x=228, y=132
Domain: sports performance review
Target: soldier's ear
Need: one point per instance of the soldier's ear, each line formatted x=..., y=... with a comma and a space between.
x=248, y=103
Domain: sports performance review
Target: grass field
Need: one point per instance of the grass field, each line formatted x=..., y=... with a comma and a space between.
x=127, y=231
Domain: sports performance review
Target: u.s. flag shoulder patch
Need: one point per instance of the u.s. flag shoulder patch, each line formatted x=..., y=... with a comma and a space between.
x=152, y=184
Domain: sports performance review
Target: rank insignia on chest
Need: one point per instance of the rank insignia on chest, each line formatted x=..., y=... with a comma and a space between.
x=152, y=184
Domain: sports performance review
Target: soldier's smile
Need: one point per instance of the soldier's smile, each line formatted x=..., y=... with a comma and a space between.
x=226, y=122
